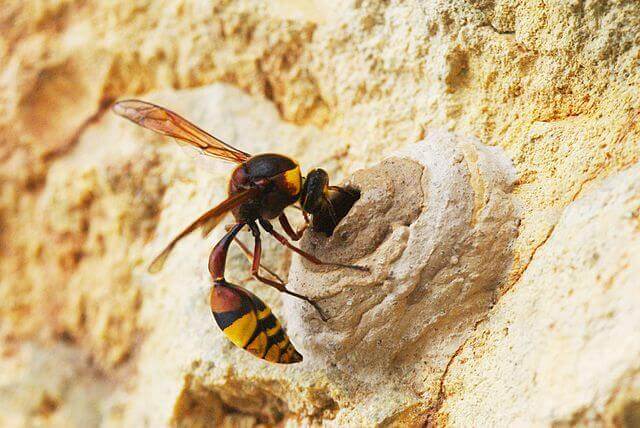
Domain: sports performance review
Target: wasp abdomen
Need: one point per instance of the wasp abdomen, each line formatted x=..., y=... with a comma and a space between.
x=249, y=324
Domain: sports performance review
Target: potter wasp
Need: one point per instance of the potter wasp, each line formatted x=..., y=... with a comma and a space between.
x=259, y=190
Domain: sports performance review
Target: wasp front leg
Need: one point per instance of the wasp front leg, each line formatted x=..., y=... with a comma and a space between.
x=295, y=235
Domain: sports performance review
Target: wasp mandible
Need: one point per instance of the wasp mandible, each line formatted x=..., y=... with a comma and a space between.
x=260, y=188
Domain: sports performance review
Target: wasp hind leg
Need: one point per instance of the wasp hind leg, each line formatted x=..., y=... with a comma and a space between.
x=247, y=252
x=278, y=285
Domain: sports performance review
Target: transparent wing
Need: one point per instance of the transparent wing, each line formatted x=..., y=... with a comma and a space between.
x=166, y=122
x=206, y=221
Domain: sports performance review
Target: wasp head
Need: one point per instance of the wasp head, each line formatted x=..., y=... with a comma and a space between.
x=327, y=204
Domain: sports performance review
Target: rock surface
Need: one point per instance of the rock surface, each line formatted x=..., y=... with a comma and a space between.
x=429, y=220
x=88, y=338
x=560, y=347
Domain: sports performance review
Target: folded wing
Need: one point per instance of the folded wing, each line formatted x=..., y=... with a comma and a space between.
x=206, y=221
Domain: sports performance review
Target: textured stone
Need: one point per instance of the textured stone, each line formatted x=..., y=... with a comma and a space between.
x=428, y=222
x=563, y=347
x=86, y=200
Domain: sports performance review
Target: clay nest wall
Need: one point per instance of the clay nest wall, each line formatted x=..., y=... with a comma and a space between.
x=503, y=248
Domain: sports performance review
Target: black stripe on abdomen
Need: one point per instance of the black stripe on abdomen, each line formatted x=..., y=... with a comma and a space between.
x=225, y=319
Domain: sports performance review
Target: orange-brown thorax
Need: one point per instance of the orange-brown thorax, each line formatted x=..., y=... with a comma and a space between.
x=279, y=180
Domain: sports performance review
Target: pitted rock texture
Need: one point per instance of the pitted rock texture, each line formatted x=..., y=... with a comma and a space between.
x=435, y=224
x=536, y=365
x=88, y=339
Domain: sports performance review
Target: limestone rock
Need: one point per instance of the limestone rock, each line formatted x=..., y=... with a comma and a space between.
x=435, y=224
x=562, y=347
x=88, y=338
x=51, y=386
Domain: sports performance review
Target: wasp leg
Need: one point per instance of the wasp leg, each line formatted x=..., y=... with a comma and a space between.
x=313, y=259
x=280, y=286
x=218, y=257
x=286, y=226
x=249, y=256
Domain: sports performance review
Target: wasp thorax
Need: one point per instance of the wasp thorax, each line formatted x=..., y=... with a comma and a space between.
x=434, y=224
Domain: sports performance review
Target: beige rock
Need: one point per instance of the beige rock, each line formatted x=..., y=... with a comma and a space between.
x=51, y=387
x=435, y=224
x=86, y=200
x=563, y=348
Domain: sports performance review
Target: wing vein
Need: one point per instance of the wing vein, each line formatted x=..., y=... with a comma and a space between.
x=206, y=221
x=171, y=124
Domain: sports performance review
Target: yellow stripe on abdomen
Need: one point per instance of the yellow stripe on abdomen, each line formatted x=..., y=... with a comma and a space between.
x=241, y=330
x=248, y=323
x=258, y=346
x=273, y=354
